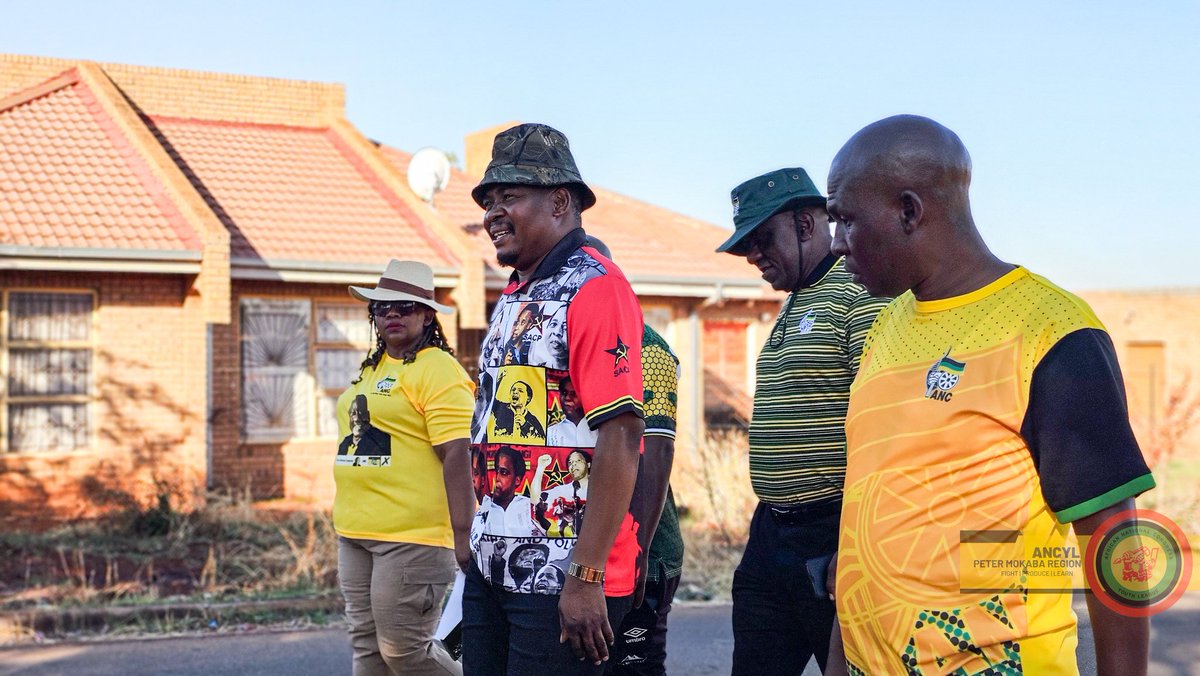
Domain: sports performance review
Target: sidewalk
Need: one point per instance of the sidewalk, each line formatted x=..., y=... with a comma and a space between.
x=35, y=624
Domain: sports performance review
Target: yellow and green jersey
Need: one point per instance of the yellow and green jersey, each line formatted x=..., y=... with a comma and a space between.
x=1001, y=410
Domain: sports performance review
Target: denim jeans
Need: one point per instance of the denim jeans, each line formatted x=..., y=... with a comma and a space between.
x=779, y=622
x=517, y=634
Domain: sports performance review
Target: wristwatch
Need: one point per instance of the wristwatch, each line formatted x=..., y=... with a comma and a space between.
x=584, y=573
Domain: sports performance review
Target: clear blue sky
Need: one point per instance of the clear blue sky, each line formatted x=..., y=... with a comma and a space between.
x=1083, y=118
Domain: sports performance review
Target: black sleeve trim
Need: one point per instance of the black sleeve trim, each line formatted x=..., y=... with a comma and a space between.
x=1077, y=424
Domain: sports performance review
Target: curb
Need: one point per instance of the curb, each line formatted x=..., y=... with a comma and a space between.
x=58, y=621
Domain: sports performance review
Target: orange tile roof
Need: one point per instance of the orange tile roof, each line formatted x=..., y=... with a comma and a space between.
x=297, y=194
x=70, y=178
x=454, y=204
x=649, y=242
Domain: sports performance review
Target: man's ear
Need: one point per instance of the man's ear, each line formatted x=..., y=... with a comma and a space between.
x=806, y=224
x=560, y=201
x=912, y=211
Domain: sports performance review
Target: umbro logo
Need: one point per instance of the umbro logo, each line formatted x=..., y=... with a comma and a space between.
x=635, y=632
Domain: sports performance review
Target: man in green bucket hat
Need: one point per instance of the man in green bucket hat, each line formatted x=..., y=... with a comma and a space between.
x=782, y=615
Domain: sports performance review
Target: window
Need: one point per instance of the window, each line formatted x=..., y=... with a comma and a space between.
x=276, y=385
x=344, y=338
x=47, y=354
x=658, y=317
x=292, y=374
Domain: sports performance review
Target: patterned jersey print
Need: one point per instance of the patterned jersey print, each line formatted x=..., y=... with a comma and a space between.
x=561, y=357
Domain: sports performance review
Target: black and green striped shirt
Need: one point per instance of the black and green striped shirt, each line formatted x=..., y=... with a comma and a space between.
x=797, y=432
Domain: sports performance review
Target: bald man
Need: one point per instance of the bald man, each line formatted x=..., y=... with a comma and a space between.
x=988, y=401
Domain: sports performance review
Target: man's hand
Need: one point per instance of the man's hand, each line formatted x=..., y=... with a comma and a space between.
x=584, y=620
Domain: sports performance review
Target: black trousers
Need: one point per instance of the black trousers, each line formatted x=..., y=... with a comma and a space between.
x=641, y=642
x=779, y=621
x=507, y=634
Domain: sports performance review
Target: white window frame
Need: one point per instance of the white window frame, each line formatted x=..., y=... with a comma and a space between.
x=6, y=344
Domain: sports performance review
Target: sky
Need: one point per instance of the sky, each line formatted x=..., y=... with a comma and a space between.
x=1082, y=118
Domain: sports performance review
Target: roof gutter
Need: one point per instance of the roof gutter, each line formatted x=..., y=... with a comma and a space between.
x=711, y=289
x=320, y=272
x=89, y=259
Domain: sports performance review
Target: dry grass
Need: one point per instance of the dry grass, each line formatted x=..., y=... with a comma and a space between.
x=715, y=503
x=227, y=550
x=1175, y=461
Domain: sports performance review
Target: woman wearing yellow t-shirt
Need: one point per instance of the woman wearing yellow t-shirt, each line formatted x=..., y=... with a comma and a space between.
x=404, y=495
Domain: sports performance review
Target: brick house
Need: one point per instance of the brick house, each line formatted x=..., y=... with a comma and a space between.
x=174, y=253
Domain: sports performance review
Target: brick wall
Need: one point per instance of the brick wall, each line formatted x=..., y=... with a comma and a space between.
x=148, y=415
x=196, y=94
x=1171, y=317
x=299, y=470
x=264, y=470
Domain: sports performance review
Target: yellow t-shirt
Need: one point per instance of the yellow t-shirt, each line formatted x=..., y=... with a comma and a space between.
x=389, y=479
x=1000, y=412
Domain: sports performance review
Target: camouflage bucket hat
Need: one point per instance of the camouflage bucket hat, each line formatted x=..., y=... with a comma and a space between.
x=532, y=154
x=762, y=197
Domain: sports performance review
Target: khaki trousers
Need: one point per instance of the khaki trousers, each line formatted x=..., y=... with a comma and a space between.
x=393, y=593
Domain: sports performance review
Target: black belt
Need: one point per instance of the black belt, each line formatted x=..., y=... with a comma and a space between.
x=790, y=515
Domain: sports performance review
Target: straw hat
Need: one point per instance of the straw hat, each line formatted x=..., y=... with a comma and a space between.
x=403, y=280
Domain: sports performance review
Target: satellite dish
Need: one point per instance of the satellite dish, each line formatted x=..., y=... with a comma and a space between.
x=428, y=173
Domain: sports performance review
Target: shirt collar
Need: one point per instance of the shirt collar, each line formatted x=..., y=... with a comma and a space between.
x=554, y=261
x=822, y=269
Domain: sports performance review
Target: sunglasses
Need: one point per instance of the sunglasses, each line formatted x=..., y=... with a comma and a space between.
x=403, y=308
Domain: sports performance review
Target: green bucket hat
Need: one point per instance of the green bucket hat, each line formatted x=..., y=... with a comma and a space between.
x=532, y=154
x=762, y=197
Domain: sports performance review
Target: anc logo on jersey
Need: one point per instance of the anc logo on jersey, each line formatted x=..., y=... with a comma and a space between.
x=385, y=386
x=807, y=322
x=942, y=377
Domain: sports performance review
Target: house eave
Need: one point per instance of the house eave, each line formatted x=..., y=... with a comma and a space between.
x=321, y=272
x=89, y=259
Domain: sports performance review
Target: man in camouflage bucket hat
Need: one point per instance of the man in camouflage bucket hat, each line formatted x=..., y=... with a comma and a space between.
x=533, y=154
x=583, y=325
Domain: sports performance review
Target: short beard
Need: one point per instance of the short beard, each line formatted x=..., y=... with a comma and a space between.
x=507, y=260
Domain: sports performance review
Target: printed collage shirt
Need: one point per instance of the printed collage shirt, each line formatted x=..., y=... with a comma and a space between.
x=561, y=356
x=1000, y=411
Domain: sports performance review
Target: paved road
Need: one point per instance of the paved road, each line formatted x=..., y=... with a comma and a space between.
x=700, y=644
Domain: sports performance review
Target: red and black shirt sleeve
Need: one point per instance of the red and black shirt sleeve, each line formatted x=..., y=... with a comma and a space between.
x=1077, y=428
x=604, y=335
